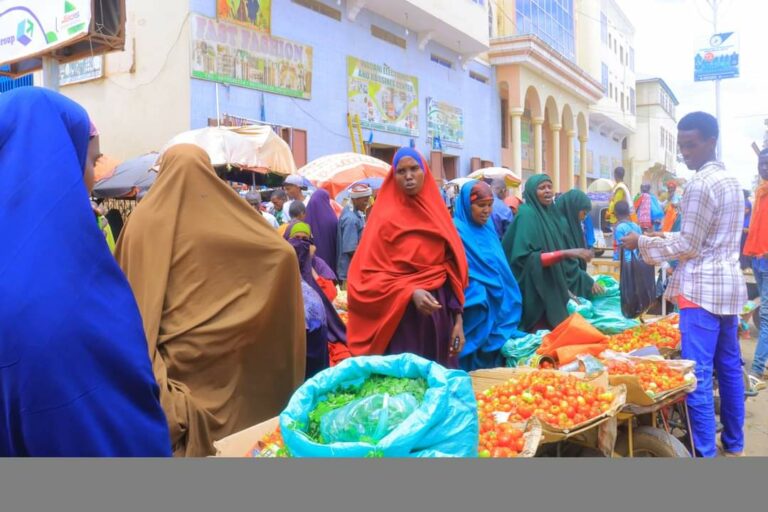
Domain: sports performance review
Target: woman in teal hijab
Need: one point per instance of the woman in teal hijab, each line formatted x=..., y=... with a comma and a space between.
x=573, y=207
x=536, y=250
x=493, y=304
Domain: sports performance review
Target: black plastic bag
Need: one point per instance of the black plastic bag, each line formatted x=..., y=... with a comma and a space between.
x=637, y=284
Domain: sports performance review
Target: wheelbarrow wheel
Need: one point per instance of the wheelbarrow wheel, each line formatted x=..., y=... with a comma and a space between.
x=651, y=442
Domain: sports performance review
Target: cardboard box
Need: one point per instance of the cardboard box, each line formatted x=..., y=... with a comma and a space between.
x=240, y=443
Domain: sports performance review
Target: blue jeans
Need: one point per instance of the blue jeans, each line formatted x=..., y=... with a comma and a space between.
x=712, y=341
x=761, y=351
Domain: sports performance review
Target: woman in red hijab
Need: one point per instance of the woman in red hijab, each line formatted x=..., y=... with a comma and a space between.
x=407, y=278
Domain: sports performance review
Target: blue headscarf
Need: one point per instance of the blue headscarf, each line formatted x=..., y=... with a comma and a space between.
x=75, y=374
x=493, y=304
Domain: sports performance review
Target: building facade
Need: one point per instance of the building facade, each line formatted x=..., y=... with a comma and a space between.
x=654, y=146
x=606, y=52
x=544, y=94
x=410, y=69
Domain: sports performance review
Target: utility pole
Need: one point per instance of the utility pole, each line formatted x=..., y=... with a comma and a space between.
x=715, y=4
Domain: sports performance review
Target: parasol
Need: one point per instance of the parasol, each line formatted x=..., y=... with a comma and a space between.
x=497, y=173
x=254, y=148
x=128, y=179
x=336, y=172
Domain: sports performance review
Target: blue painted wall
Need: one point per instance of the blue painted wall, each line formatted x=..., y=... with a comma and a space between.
x=324, y=116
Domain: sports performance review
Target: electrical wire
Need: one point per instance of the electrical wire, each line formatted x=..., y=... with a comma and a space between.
x=165, y=60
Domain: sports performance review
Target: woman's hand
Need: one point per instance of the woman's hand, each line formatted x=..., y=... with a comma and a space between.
x=597, y=289
x=425, y=303
x=582, y=254
x=457, y=333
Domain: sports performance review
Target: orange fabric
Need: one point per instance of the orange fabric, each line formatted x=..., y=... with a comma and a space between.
x=568, y=354
x=329, y=289
x=684, y=303
x=669, y=219
x=574, y=330
x=337, y=352
x=757, y=239
x=337, y=208
x=409, y=243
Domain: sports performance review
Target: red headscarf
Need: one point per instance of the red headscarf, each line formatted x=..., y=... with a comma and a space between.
x=409, y=243
x=757, y=239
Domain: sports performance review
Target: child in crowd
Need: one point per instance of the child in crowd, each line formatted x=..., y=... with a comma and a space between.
x=623, y=227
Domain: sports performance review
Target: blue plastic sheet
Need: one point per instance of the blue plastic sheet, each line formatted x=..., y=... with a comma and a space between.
x=444, y=425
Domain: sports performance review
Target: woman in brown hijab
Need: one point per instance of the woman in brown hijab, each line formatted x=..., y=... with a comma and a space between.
x=220, y=295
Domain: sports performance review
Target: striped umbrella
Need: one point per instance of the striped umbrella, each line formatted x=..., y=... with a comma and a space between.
x=336, y=172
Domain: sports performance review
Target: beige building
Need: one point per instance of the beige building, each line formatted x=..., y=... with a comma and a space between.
x=545, y=96
x=654, y=147
x=606, y=51
x=141, y=98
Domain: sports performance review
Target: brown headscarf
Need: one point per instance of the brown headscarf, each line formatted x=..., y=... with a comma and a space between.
x=220, y=294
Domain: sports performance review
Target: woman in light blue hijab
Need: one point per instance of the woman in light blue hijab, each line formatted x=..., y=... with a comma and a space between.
x=493, y=304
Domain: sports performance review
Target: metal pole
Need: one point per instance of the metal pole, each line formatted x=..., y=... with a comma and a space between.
x=51, y=73
x=218, y=111
x=717, y=89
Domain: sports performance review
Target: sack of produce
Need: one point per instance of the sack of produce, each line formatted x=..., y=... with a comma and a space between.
x=387, y=406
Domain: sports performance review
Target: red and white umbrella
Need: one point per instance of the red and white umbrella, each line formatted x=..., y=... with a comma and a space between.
x=335, y=173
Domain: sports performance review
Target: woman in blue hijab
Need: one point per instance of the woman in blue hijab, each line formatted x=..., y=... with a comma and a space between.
x=493, y=304
x=75, y=375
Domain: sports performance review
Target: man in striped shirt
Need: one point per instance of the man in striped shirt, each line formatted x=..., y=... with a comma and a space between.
x=708, y=284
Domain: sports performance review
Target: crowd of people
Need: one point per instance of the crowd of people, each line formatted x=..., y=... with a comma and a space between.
x=212, y=309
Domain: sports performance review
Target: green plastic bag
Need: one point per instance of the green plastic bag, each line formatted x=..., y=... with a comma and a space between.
x=604, y=311
x=368, y=420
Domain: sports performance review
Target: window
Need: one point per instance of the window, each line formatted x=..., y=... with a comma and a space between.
x=632, y=101
x=622, y=102
x=631, y=58
x=663, y=138
x=320, y=8
x=443, y=62
x=610, y=86
x=621, y=54
x=551, y=20
x=387, y=36
x=610, y=41
x=604, y=77
x=603, y=28
x=477, y=76
x=9, y=84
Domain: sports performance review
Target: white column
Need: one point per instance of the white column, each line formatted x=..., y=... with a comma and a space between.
x=571, y=134
x=583, y=163
x=554, y=169
x=517, y=143
x=538, y=165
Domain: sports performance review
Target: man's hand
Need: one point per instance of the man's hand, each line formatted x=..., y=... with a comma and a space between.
x=630, y=241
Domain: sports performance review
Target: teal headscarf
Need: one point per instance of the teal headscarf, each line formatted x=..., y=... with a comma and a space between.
x=537, y=230
x=493, y=304
x=569, y=205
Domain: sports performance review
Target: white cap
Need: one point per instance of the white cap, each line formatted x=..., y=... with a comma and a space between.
x=293, y=179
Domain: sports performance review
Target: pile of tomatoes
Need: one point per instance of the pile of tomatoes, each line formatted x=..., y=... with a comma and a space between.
x=499, y=440
x=560, y=400
x=662, y=334
x=654, y=377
